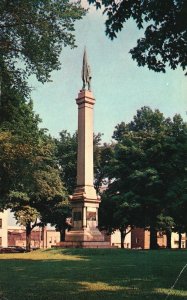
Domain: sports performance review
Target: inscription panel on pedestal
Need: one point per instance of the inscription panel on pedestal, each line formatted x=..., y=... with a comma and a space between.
x=77, y=216
x=91, y=216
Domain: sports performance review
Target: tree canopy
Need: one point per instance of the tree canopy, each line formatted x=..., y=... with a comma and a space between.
x=148, y=172
x=32, y=35
x=165, y=30
x=30, y=183
x=66, y=154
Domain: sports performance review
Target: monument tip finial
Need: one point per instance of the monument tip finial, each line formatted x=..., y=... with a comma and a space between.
x=86, y=72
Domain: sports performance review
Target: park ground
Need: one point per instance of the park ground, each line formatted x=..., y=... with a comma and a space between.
x=61, y=274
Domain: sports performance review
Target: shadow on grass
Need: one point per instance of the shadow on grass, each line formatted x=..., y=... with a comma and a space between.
x=93, y=274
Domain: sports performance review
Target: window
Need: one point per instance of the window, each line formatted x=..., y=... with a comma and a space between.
x=137, y=240
x=1, y=223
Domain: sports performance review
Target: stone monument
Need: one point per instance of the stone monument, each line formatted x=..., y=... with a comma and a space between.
x=84, y=201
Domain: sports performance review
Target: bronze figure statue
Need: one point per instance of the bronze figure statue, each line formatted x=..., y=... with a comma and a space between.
x=86, y=72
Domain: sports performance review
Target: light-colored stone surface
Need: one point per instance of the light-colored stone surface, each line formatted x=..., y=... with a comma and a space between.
x=4, y=229
x=116, y=239
x=85, y=102
x=84, y=201
x=84, y=244
x=175, y=240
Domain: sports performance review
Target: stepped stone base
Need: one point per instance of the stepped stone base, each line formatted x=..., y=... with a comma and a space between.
x=83, y=244
x=84, y=235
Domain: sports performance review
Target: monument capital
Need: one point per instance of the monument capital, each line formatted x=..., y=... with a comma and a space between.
x=85, y=96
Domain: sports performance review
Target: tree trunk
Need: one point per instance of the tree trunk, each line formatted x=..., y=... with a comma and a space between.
x=43, y=236
x=168, y=234
x=123, y=235
x=62, y=234
x=180, y=239
x=28, y=237
x=153, y=238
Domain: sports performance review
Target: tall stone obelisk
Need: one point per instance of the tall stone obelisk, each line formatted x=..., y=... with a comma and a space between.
x=84, y=201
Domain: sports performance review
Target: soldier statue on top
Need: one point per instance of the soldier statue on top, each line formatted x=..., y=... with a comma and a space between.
x=86, y=72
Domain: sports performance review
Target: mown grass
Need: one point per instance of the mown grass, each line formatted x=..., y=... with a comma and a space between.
x=93, y=274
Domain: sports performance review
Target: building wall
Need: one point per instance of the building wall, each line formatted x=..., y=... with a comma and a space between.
x=39, y=238
x=52, y=238
x=4, y=229
x=161, y=240
x=175, y=240
x=146, y=239
x=17, y=237
x=140, y=239
x=116, y=239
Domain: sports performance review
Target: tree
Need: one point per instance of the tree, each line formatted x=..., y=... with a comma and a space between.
x=102, y=157
x=149, y=162
x=118, y=212
x=177, y=188
x=67, y=159
x=32, y=34
x=38, y=189
x=57, y=212
x=166, y=225
x=30, y=181
x=19, y=135
x=165, y=35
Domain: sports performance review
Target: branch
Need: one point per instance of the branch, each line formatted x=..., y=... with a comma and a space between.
x=40, y=224
x=129, y=230
x=14, y=24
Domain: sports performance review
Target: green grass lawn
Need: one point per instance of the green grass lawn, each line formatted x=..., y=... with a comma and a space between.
x=93, y=274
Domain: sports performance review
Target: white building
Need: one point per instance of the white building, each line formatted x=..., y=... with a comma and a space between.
x=175, y=240
x=4, y=229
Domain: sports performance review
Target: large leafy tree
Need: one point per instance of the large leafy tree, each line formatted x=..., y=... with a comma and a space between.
x=177, y=172
x=30, y=182
x=33, y=185
x=149, y=162
x=165, y=30
x=57, y=212
x=32, y=35
x=103, y=154
x=36, y=203
x=19, y=136
x=118, y=212
x=67, y=159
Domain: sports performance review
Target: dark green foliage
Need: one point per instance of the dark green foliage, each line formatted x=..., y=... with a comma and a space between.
x=30, y=183
x=67, y=159
x=148, y=171
x=32, y=35
x=165, y=25
x=56, y=212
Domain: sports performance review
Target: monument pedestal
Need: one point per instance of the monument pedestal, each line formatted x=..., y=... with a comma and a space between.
x=85, y=204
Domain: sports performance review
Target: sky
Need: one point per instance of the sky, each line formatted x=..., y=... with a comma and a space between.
x=119, y=86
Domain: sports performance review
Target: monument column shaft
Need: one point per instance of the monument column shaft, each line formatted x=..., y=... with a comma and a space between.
x=85, y=103
x=85, y=201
